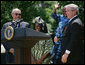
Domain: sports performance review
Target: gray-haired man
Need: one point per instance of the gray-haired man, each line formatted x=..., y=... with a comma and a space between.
x=72, y=44
x=17, y=22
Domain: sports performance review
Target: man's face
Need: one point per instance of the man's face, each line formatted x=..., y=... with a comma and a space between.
x=16, y=14
x=64, y=11
x=70, y=13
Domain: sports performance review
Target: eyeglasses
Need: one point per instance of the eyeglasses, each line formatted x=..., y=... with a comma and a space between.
x=17, y=14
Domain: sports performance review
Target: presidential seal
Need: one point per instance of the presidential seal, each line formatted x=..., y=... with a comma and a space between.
x=9, y=33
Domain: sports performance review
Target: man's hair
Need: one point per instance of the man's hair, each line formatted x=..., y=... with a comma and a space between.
x=14, y=10
x=73, y=7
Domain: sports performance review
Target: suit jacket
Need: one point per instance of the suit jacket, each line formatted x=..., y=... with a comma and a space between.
x=21, y=24
x=71, y=41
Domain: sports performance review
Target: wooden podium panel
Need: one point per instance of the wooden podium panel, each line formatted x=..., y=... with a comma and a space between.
x=24, y=39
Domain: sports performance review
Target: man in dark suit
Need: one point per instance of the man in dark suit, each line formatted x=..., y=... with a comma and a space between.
x=16, y=23
x=71, y=40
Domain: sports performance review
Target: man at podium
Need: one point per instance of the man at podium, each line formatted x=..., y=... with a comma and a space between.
x=17, y=22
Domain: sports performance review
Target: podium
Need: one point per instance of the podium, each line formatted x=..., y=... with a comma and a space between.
x=24, y=39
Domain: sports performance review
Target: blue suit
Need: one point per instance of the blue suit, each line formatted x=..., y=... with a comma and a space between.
x=9, y=56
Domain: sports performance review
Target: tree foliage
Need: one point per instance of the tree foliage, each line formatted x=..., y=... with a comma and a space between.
x=32, y=9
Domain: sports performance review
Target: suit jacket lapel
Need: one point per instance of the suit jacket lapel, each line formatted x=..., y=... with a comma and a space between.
x=68, y=25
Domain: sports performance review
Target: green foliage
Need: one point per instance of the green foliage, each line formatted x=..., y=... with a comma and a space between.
x=32, y=9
